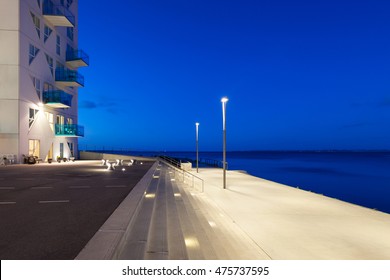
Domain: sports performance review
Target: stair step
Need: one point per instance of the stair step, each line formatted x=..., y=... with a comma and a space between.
x=177, y=222
x=202, y=228
x=189, y=231
x=230, y=237
x=157, y=248
x=221, y=228
x=215, y=237
x=177, y=249
x=135, y=244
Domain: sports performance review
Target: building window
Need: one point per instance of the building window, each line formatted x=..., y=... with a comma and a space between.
x=33, y=52
x=69, y=32
x=59, y=65
x=70, y=145
x=37, y=23
x=69, y=121
x=47, y=87
x=33, y=147
x=37, y=85
x=58, y=49
x=61, y=148
x=60, y=119
x=60, y=129
x=66, y=3
x=69, y=50
x=47, y=31
x=50, y=119
x=32, y=117
x=50, y=63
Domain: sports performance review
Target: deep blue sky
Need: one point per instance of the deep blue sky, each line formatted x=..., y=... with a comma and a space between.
x=298, y=74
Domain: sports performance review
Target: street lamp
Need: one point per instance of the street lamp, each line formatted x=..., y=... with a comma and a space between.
x=197, y=147
x=224, y=100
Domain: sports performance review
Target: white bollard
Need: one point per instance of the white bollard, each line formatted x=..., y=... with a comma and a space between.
x=110, y=165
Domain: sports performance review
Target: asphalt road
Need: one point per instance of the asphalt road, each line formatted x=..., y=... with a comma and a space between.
x=50, y=211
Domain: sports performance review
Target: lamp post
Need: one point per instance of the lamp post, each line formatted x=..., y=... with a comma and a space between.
x=224, y=100
x=197, y=147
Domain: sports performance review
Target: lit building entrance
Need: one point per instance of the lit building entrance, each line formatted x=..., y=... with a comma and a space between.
x=33, y=147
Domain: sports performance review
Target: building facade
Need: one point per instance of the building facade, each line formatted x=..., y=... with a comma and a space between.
x=39, y=79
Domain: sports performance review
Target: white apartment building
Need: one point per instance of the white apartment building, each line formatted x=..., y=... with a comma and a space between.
x=39, y=58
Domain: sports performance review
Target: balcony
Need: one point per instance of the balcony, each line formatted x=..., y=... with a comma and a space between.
x=57, y=99
x=76, y=58
x=69, y=78
x=57, y=15
x=69, y=130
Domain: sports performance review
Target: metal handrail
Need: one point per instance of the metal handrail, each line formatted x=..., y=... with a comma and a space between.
x=50, y=9
x=76, y=55
x=67, y=75
x=212, y=162
x=170, y=160
x=176, y=165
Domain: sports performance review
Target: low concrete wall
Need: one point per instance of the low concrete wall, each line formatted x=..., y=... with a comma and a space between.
x=99, y=156
x=186, y=166
x=91, y=156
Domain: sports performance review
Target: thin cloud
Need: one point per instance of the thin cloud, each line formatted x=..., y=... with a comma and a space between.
x=356, y=125
x=385, y=102
x=109, y=106
x=85, y=104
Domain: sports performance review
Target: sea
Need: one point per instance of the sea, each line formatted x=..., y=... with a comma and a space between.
x=358, y=177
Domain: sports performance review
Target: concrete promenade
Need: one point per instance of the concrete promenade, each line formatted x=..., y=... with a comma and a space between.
x=168, y=216
x=289, y=223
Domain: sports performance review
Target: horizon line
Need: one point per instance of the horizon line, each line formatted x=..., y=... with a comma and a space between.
x=235, y=151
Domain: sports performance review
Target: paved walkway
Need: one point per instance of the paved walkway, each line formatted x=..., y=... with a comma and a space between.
x=289, y=223
x=253, y=218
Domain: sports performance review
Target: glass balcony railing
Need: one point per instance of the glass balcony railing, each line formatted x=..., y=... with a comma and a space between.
x=58, y=15
x=69, y=130
x=77, y=58
x=57, y=99
x=68, y=77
